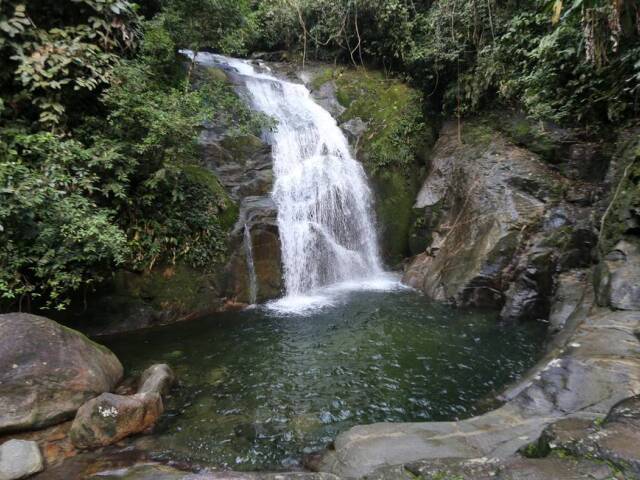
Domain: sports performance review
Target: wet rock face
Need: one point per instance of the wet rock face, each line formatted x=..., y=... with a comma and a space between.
x=618, y=277
x=487, y=195
x=19, y=459
x=259, y=214
x=498, y=224
x=243, y=164
x=48, y=371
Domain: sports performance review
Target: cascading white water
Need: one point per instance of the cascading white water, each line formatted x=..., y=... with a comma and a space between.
x=324, y=203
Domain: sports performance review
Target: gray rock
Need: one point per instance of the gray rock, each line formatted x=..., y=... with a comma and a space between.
x=568, y=295
x=614, y=440
x=158, y=378
x=490, y=195
x=327, y=98
x=619, y=277
x=153, y=471
x=354, y=130
x=494, y=469
x=109, y=418
x=19, y=459
x=48, y=371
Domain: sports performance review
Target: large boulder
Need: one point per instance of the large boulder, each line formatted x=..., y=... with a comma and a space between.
x=48, y=371
x=110, y=418
x=19, y=459
x=618, y=277
x=483, y=198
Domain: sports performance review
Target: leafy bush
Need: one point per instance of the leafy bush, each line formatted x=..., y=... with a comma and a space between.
x=54, y=231
x=98, y=153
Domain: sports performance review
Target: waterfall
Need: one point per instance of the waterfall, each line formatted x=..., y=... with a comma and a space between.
x=325, y=215
x=251, y=268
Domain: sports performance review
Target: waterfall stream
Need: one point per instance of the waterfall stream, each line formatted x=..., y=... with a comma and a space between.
x=253, y=279
x=325, y=215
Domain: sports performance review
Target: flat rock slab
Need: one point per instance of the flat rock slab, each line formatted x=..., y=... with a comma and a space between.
x=48, y=371
x=552, y=468
x=19, y=459
x=153, y=471
x=597, y=368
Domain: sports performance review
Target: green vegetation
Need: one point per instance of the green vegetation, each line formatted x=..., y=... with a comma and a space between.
x=392, y=148
x=99, y=167
x=574, y=62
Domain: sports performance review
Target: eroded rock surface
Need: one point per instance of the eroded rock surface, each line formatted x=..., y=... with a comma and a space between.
x=110, y=418
x=48, y=371
x=498, y=224
x=19, y=459
x=619, y=277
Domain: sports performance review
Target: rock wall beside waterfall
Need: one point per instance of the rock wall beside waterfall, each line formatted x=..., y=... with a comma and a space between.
x=499, y=221
x=384, y=122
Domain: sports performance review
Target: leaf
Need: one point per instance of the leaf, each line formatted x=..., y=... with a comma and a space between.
x=557, y=11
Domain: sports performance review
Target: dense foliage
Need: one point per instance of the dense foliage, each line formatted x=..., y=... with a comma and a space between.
x=99, y=167
x=98, y=160
x=575, y=62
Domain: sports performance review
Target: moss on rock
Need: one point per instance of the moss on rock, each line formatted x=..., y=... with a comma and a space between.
x=228, y=214
x=393, y=148
x=623, y=214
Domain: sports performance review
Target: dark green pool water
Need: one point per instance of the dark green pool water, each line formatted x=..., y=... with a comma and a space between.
x=258, y=389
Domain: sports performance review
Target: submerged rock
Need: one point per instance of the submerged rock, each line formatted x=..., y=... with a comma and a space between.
x=157, y=378
x=110, y=418
x=19, y=459
x=48, y=371
x=154, y=471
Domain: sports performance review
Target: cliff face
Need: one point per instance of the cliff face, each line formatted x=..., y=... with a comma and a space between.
x=506, y=215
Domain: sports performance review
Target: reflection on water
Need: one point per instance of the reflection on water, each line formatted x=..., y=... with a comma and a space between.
x=258, y=388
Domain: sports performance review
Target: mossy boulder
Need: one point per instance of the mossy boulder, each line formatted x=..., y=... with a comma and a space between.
x=383, y=118
x=135, y=300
